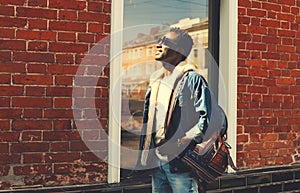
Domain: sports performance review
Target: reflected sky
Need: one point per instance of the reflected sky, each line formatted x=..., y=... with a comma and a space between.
x=162, y=11
x=165, y=12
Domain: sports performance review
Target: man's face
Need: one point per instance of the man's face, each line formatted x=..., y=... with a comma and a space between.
x=165, y=48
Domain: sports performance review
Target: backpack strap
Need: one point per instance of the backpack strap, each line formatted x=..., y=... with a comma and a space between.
x=174, y=93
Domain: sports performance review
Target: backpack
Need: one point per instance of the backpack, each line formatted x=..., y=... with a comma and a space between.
x=210, y=159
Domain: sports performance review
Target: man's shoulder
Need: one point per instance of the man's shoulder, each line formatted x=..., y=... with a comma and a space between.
x=195, y=77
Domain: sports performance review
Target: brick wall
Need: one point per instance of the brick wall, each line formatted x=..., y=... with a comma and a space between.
x=42, y=43
x=268, y=82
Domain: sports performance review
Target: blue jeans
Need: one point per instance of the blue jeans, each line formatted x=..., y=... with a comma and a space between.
x=163, y=181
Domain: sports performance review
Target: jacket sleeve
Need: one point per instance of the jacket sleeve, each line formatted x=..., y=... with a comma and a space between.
x=201, y=97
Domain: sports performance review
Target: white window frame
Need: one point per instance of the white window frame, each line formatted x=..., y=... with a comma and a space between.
x=228, y=69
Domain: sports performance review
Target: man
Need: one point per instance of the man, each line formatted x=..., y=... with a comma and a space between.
x=176, y=115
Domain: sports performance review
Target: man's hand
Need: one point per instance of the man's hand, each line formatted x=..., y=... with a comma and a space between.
x=174, y=147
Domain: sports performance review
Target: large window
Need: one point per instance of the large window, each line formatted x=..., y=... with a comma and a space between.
x=143, y=22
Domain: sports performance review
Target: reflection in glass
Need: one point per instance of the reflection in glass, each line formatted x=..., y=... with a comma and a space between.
x=146, y=21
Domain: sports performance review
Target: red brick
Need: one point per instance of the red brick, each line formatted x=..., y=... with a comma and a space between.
x=7, y=33
x=7, y=10
x=96, y=17
x=38, y=23
x=36, y=13
x=31, y=102
x=11, y=90
x=255, y=21
x=68, y=47
x=67, y=26
x=59, y=146
x=9, y=136
x=32, y=113
x=256, y=46
x=271, y=55
x=287, y=41
x=37, y=46
x=67, y=15
x=95, y=28
x=63, y=103
x=10, y=159
x=32, y=79
x=256, y=12
x=286, y=17
x=90, y=38
x=62, y=4
x=29, y=147
x=270, y=23
x=256, y=4
x=62, y=157
x=284, y=48
x=64, y=36
x=107, y=7
x=39, y=3
x=245, y=3
x=12, y=22
x=257, y=30
x=58, y=113
x=78, y=146
x=62, y=125
x=286, y=33
x=64, y=59
x=89, y=156
x=4, y=149
x=33, y=57
x=4, y=101
x=271, y=6
x=295, y=10
x=106, y=28
x=10, y=113
x=258, y=73
x=95, y=6
x=269, y=153
x=271, y=39
x=285, y=81
x=32, y=170
x=257, y=63
x=5, y=79
x=38, y=125
x=5, y=56
x=37, y=68
x=12, y=2
x=268, y=121
x=31, y=136
x=32, y=158
x=61, y=136
x=62, y=69
x=64, y=80
x=12, y=45
x=35, y=91
x=36, y=35
x=287, y=2
x=59, y=91
x=272, y=32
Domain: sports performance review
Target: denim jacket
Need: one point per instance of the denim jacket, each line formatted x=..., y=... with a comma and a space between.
x=190, y=116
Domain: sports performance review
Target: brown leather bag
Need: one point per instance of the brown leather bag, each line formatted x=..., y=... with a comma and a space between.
x=213, y=163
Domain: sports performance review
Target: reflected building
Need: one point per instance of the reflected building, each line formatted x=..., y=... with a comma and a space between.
x=138, y=65
x=138, y=60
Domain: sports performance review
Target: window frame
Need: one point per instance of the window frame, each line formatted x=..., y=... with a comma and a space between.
x=224, y=52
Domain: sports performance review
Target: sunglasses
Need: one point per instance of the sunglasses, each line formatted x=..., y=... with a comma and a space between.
x=171, y=44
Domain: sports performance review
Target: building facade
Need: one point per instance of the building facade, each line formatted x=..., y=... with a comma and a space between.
x=43, y=43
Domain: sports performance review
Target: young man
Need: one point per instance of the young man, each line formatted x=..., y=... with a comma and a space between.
x=176, y=115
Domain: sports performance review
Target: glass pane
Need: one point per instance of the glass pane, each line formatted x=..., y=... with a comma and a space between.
x=144, y=22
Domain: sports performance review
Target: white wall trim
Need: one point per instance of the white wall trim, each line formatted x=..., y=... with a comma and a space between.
x=114, y=130
x=228, y=66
